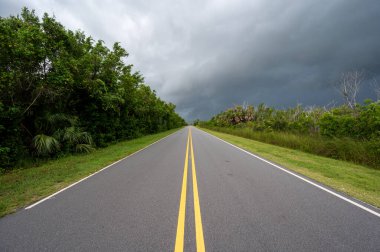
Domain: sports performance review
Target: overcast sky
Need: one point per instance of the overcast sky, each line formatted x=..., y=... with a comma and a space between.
x=206, y=56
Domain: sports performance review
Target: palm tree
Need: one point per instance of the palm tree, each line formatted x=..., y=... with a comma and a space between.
x=60, y=133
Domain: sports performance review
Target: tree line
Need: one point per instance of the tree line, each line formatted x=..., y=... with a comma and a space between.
x=62, y=92
x=361, y=123
x=349, y=132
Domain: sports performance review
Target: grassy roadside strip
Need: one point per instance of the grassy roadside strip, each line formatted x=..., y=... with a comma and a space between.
x=22, y=187
x=365, y=153
x=355, y=180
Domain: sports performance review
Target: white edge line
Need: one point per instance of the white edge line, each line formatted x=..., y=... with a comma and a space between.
x=304, y=179
x=92, y=174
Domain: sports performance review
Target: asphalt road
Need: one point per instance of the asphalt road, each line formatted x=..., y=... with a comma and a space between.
x=236, y=202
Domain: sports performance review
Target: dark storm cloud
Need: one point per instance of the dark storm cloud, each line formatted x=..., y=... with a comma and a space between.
x=206, y=57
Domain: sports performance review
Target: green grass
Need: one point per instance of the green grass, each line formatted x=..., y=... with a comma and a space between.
x=355, y=180
x=360, y=152
x=21, y=187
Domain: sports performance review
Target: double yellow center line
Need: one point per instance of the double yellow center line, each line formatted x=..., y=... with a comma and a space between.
x=182, y=206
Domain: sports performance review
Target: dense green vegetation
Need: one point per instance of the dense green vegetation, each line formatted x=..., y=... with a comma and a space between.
x=21, y=187
x=62, y=92
x=356, y=180
x=351, y=134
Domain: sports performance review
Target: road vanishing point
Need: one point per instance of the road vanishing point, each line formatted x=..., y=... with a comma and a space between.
x=192, y=191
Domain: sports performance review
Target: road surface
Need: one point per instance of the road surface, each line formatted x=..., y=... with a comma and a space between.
x=152, y=201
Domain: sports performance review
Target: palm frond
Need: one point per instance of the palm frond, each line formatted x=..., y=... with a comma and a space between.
x=70, y=135
x=83, y=148
x=74, y=135
x=45, y=144
x=85, y=138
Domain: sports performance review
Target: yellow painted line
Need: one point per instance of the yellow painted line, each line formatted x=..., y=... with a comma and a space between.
x=182, y=205
x=179, y=242
x=197, y=209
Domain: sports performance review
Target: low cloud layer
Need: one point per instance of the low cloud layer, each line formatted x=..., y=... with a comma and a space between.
x=207, y=56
